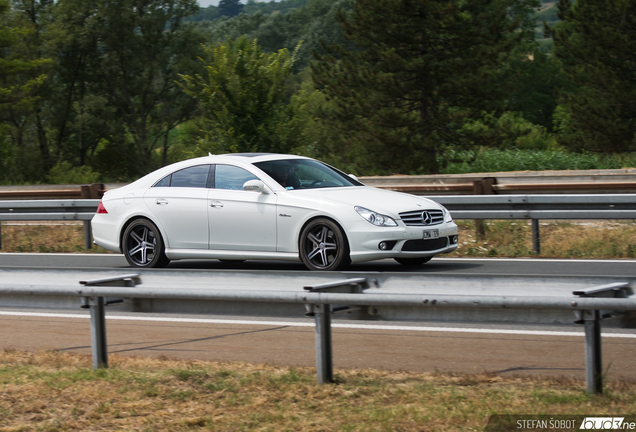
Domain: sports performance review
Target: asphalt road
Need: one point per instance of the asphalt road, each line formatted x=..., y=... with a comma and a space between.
x=439, y=265
x=469, y=349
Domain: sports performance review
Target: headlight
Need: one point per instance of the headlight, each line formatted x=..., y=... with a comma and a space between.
x=375, y=218
x=447, y=215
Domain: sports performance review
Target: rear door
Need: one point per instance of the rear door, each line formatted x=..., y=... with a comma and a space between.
x=179, y=203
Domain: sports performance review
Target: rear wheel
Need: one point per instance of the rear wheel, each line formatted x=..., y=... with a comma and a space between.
x=323, y=246
x=143, y=245
x=413, y=261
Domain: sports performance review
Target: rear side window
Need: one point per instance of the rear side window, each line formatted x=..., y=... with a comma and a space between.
x=164, y=182
x=192, y=177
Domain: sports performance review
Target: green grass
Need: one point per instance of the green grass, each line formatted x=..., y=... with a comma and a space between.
x=494, y=160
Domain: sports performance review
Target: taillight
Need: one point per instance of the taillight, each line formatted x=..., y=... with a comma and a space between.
x=101, y=208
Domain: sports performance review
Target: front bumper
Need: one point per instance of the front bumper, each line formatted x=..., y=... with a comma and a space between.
x=367, y=242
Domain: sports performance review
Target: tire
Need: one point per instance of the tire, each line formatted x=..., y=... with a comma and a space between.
x=143, y=245
x=413, y=261
x=323, y=246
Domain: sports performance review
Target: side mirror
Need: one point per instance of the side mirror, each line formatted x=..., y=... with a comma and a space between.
x=353, y=177
x=255, y=186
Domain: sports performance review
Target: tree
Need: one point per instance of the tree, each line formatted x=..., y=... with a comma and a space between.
x=242, y=93
x=230, y=8
x=134, y=51
x=596, y=42
x=22, y=78
x=423, y=68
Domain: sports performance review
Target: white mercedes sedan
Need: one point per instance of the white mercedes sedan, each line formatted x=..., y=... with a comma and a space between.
x=253, y=206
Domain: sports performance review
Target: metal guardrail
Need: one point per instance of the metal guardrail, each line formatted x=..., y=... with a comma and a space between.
x=540, y=207
x=68, y=191
x=479, y=207
x=522, y=182
x=526, y=182
x=591, y=305
x=48, y=210
x=584, y=206
x=34, y=210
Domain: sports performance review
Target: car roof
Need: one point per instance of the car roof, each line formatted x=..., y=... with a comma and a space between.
x=256, y=157
x=237, y=158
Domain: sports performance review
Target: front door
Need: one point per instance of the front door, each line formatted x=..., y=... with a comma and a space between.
x=240, y=220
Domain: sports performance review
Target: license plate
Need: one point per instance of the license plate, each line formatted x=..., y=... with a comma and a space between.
x=431, y=234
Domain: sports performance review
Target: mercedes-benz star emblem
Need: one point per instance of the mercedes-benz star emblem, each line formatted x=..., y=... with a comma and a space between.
x=426, y=218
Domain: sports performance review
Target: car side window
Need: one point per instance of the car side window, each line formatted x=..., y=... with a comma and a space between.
x=231, y=177
x=164, y=182
x=193, y=177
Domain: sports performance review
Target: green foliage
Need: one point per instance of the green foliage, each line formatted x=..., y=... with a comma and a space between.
x=510, y=130
x=534, y=81
x=414, y=87
x=310, y=21
x=411, y=87
x=596, y=41
x=495, y=160
x=65, y=173
x=22, y=81
x=252, y=7
x=21, y=77
x=230, y=7
x=242, y=94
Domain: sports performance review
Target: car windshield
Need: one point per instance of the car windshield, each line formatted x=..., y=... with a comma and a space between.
x=305, y=174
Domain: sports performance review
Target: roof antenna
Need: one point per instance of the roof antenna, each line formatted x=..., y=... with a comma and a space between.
x=210, y=154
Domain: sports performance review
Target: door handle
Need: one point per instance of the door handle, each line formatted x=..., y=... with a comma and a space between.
x=216, y=204
x=161, y=201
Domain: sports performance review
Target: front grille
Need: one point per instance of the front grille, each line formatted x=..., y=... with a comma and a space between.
x=425, y=245
x=422, y=217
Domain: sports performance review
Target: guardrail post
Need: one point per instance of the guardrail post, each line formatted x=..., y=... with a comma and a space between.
x=593, y=354
x=324, y=353
x=536, y=237
x=88, y=237
x=591, y=319
x=96, y=304
x=93, y=191
x=99, y=348
x=483, y=187
x=322, y=313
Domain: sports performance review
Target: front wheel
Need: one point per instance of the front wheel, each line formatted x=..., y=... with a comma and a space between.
x=413, y=261
x=323, y=246
x=143, y=245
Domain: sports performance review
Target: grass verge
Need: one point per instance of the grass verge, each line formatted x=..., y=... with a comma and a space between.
x=559, y=239
x=63, y=238
x=54, y=391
